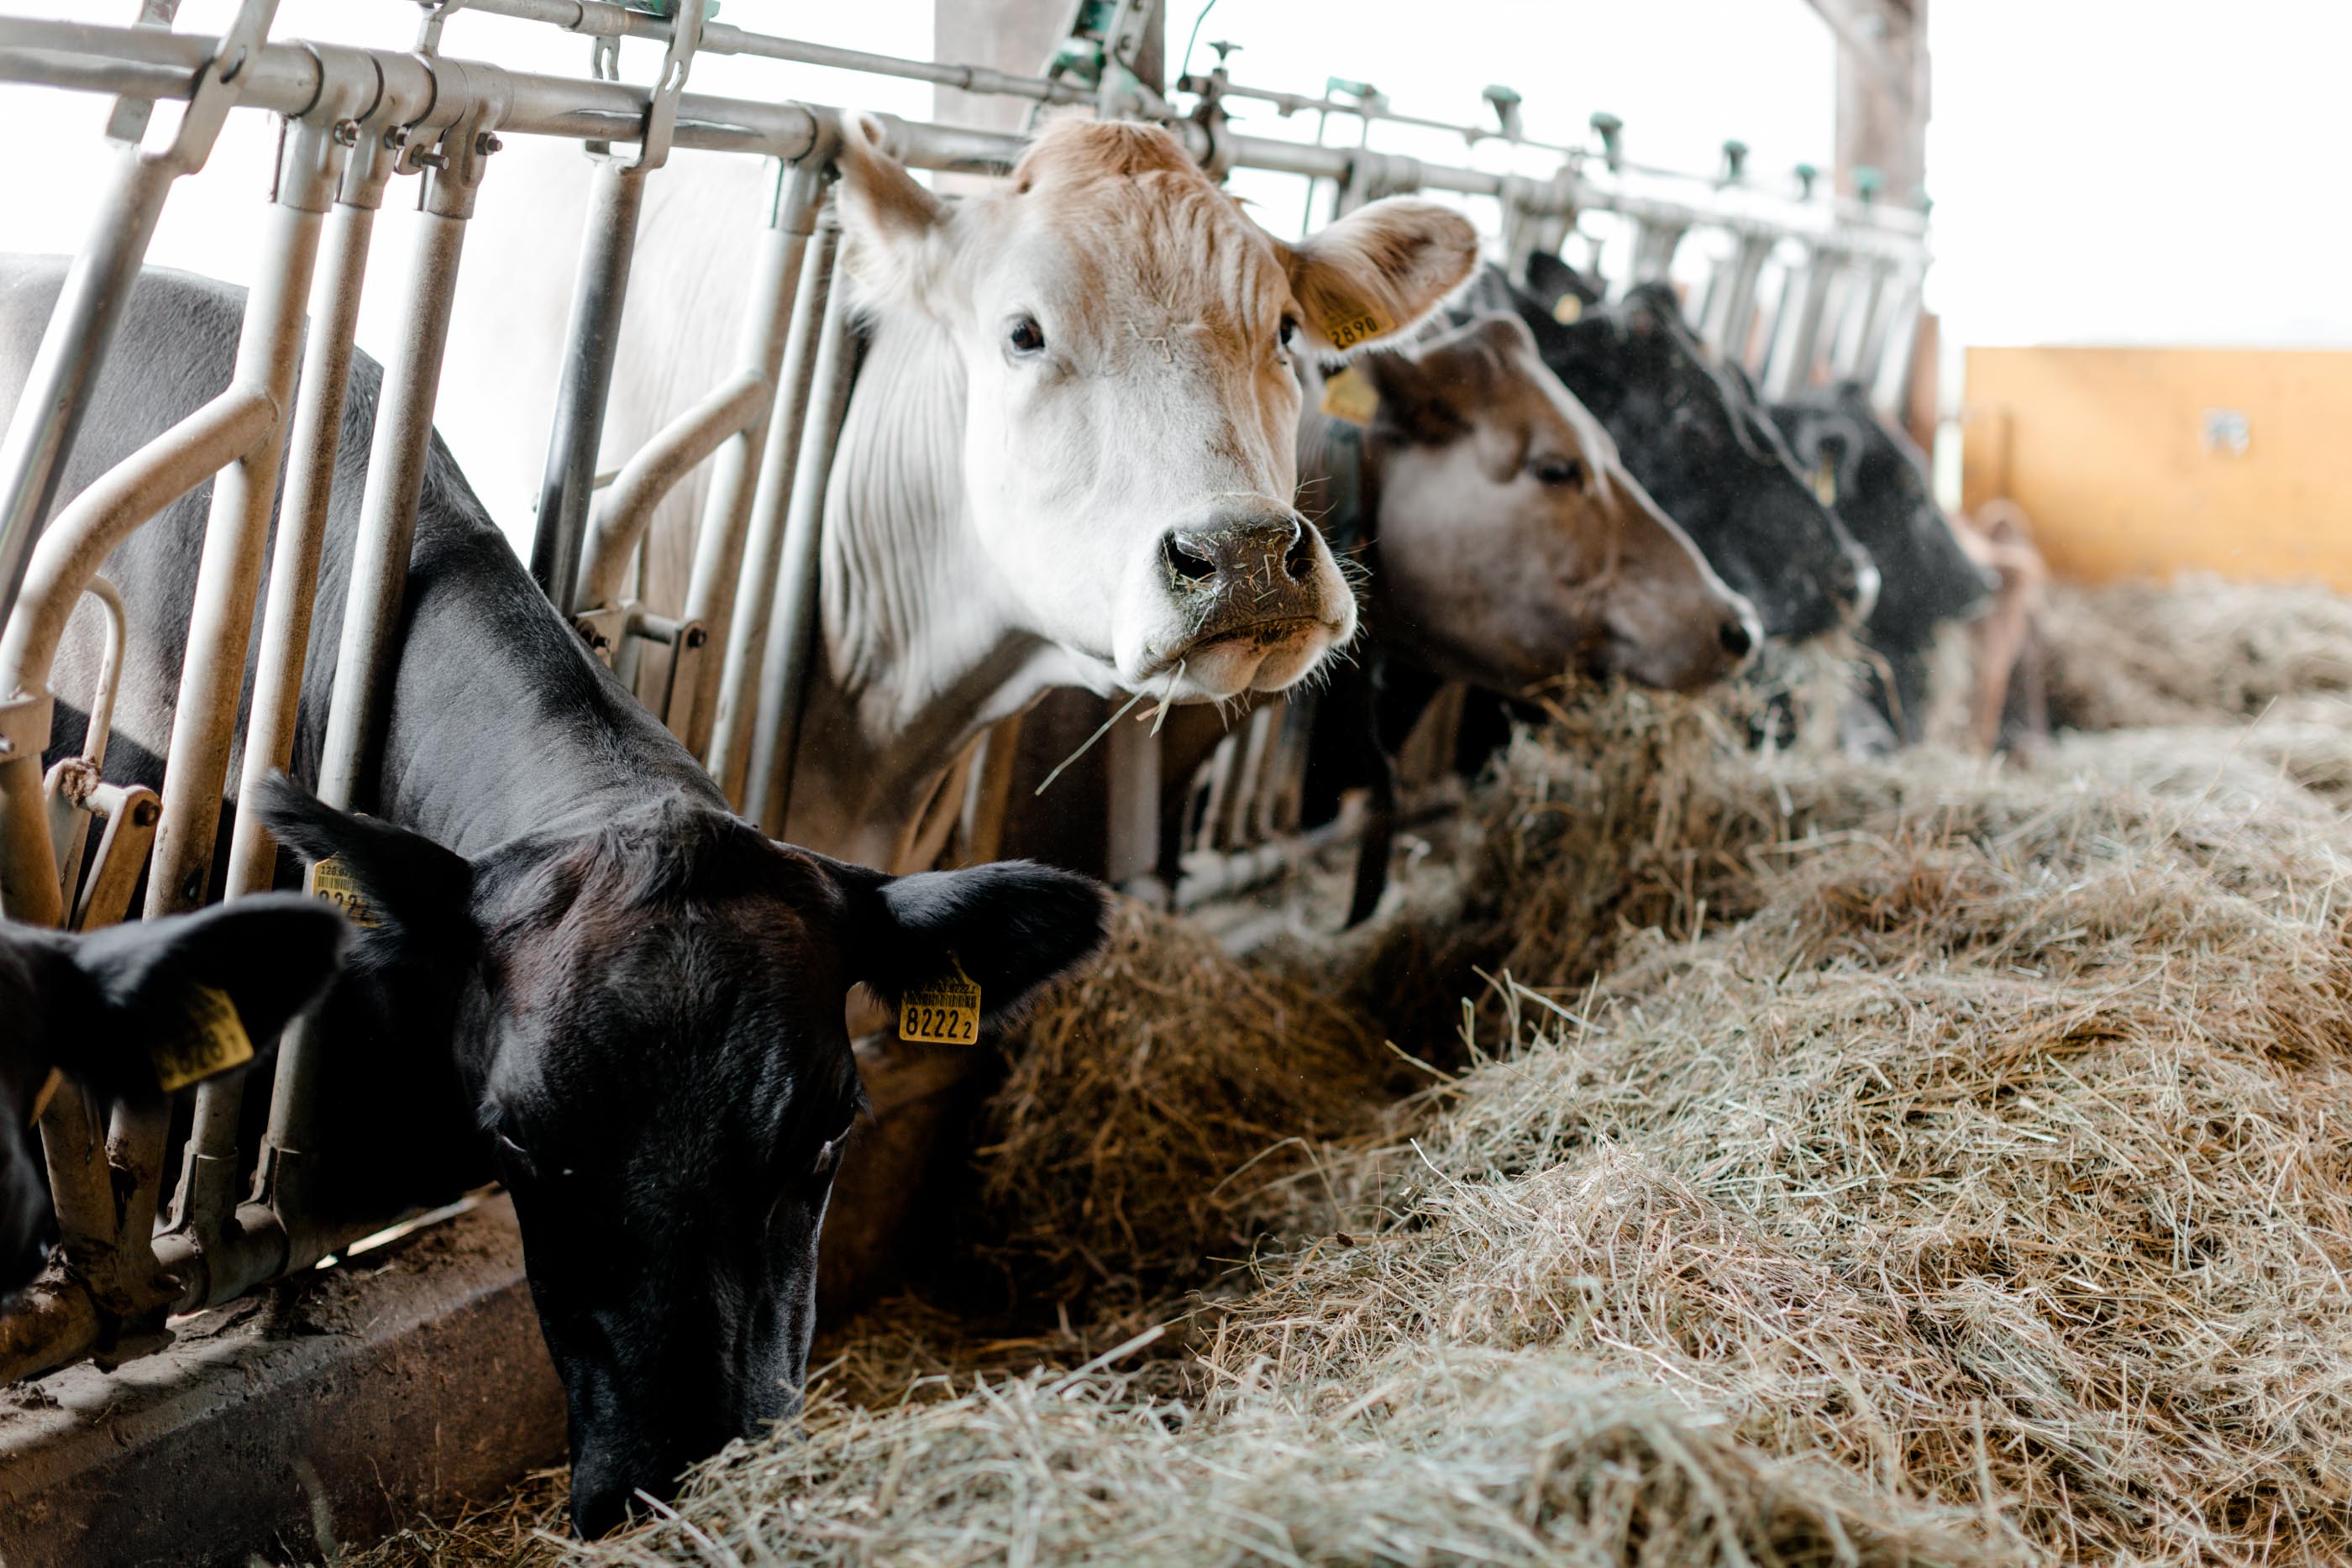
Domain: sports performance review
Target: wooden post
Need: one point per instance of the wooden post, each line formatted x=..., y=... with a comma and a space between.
x=1882, y=93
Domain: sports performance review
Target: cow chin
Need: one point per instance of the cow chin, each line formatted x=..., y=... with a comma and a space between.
x=1253, y=659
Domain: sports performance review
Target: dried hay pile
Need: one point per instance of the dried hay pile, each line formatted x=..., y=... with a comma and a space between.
x=2198, y=651
x=1818, y=1161
x=1860, y=1163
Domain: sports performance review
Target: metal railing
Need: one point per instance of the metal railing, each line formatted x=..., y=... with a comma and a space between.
x=740, y=648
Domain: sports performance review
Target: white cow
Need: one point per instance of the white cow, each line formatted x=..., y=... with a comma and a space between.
x=1070, y=455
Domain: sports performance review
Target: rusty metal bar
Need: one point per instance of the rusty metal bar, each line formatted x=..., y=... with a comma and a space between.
x=364, y=662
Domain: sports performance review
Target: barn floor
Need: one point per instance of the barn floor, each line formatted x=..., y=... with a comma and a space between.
x=1708, y=1157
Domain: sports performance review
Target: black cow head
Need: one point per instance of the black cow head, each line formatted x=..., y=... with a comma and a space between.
x=649, y=1020
x=93, y=1007
x=1694, y=434
x=1878, y=478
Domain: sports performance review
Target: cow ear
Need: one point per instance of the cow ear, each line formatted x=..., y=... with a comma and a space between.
x=1551, y=280
x=408, y=894
x=1422, y=396
x=1010, y=927
x=1377, y=273
x=273, y=955
x=895, y=230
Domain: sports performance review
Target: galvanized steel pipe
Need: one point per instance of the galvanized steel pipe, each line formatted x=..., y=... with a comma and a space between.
x=747, y=634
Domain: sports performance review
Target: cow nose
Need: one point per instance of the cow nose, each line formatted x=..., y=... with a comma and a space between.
x=1261, y=554
x=1737, y=636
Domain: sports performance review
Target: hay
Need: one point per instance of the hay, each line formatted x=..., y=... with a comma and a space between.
x=2194, y=651
x=1807, y=1161
x=1149, y=1107
x=1943, y=1163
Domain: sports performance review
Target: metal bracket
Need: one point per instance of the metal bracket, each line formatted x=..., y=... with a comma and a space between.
x=601, y=630
x=219, y=87
x=669, y=86
x=131, y=812
x=24, y=724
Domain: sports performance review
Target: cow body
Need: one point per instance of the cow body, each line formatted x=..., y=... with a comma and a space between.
x=1876, y=478
x=1695, y=435
x=1068, y=457
x=1505, y=545
x=586, y=978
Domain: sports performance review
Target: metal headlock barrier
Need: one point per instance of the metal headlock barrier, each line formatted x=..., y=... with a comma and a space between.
x=740, y=648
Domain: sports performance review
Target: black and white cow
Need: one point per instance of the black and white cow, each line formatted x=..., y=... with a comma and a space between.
x=96, y=1009
x=1699, y=442
x=1876, y=479
x=586, y=977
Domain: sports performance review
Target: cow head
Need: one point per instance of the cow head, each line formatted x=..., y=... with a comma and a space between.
x=651, y=1015
x=1692, y=432
x=93, y=1007
x=1124, y=335
x=1877, y=479
x=1514, y=547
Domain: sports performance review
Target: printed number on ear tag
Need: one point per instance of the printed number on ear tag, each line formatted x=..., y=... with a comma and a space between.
x=327, y=878
x=942, y=1011
x=1569, y=309
x=1350, y=395
x=1347, y=332
x=211, y=1039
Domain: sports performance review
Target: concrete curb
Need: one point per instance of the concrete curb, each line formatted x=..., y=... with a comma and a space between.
x=369, y=1396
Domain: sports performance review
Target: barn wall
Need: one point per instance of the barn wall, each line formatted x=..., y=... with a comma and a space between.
x=2124, y=459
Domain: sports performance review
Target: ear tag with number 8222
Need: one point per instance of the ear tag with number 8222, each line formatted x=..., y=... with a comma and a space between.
x=944, y=1011
x=327, y=878
x=210, y=1038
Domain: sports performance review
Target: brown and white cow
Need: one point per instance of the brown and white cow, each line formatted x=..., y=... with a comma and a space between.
x=1510, y=545
x=1070, y=454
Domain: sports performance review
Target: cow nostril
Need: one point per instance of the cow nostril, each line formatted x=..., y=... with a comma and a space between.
x=1300, y=559
x=1189, y=558
x=1735, y=638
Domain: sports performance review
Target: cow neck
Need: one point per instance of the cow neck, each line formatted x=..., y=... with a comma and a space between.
x=502, y=723
x=1340, y=487
x=920, y=649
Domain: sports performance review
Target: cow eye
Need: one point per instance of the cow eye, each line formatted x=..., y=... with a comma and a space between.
x=1026, y=337
x=1289, y=330
x=1558, y=472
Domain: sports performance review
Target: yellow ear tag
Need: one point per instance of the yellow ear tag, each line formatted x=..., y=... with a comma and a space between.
x=1351, y=325
x=941, y=1012
x=1825, y=481
x=211, y=1039
x=327, y=878
x=1349, y=394
x=1568, y=310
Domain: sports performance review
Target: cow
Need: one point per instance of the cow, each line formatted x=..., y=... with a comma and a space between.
x=1068, y=458
x=1700, y=443
x=1876, y=478
x=1505, y=546
x=583, y=975
x=124, y=1013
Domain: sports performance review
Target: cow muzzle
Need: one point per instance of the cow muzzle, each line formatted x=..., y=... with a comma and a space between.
x=1247, y=603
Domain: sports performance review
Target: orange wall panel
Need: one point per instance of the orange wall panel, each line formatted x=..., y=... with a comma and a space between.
x=2130, y=463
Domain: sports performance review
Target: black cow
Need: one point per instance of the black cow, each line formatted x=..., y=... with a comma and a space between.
x=1699, y=442
x=96, y=1008
x=1877, y=478
x=586, y=976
